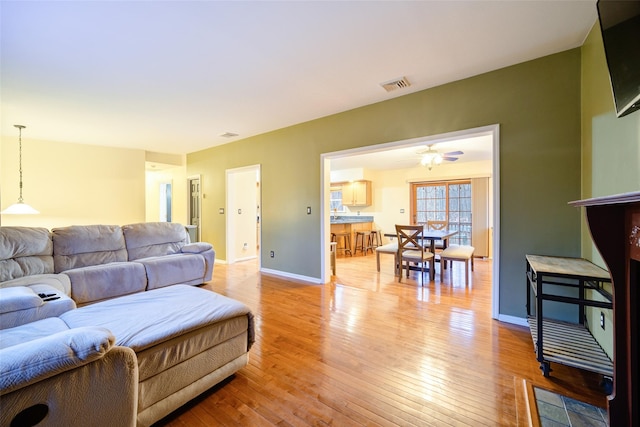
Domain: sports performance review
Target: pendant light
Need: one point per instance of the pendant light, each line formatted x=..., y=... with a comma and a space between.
x=20, y=208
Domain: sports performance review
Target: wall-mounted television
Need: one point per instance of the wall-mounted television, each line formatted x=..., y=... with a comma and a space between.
x=620, y=25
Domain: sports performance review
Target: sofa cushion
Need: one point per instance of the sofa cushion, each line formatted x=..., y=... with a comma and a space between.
x=34, y=360
x=25, y=251
x=85, y=245
x=98, y=282
x=157, y=316
x=20, y=304
x=188, y=269
x=152, y=239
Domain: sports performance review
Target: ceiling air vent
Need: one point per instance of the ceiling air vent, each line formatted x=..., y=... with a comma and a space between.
x=228, y=135
x=400, y=83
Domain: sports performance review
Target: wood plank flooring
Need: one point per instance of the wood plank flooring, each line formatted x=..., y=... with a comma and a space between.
x=368, y=350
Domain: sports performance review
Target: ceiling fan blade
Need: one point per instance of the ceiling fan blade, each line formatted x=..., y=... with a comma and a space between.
x=450, y=159
x=453, y=153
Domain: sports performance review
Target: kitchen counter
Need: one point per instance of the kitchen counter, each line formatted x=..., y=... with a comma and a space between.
x=351, y=219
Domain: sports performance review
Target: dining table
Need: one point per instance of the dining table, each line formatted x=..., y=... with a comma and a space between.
x=432, y=236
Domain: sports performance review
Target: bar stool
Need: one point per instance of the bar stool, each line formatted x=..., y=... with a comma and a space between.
x=375, y=239
x=346, y=242
x=363, y=242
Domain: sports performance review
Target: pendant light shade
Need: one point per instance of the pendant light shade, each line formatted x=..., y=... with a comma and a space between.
x=20, y=208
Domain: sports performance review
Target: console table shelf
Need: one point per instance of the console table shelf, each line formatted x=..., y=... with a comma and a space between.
x=570, y=344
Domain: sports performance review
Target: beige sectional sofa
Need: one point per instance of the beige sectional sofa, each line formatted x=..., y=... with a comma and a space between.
x=119, y=324
x=88, y=260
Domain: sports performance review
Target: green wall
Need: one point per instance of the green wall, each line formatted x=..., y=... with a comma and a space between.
x=610, y=156
x=610, y=145
x=536, y=104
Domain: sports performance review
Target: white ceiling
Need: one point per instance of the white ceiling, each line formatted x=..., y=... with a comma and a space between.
x=475, y=148
x=171, y=76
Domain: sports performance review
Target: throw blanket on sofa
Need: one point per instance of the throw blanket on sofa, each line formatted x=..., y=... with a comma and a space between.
x=160, y=315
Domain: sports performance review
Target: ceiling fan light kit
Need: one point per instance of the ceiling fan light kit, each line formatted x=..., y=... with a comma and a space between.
x=431, y=157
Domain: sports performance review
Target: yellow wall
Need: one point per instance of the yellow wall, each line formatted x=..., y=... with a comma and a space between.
x=72, y=183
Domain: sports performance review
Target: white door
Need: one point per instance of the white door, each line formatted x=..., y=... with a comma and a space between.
x=243, y=203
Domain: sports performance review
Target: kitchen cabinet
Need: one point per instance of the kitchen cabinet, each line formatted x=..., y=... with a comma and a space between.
x=356, y=193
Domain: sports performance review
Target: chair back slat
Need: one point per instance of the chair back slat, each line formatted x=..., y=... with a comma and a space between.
x=409, y=236
x=437, y=225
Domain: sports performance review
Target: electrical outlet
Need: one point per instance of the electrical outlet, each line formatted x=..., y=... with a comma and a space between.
x=272, y=254
x=602, y=320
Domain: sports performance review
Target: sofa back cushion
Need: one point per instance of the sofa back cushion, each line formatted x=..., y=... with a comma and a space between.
x=25, y=251
x=86, y=245
x=152, y=239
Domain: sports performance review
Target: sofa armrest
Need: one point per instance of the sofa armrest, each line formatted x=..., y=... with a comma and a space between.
x=27, y=363
x=102, y=393
x=207, y=252
x=196, y=248
x=60, y=281
x=24, y=304
x=18, y=298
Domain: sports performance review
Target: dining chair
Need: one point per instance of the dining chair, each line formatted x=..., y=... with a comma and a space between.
x=411, y=249
x=437, y=225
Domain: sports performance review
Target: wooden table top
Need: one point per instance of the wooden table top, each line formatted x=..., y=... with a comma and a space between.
x=574, y=267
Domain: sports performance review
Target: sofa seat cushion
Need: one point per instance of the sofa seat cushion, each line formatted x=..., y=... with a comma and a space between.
x=41, y=356
x=22, y=304
x=156, y=316
x=188, y=269
x=98, y=282
x=168, y=325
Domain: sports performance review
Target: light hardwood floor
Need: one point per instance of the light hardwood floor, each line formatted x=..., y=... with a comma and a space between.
x=367, y=350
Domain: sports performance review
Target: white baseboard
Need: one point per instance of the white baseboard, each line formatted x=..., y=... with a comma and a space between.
x=520, y=321
x=298, y=277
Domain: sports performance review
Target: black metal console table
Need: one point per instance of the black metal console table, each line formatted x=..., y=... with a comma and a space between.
x=566, y=343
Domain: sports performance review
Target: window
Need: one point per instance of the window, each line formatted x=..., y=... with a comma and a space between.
x=444, y=201
x=336, y=200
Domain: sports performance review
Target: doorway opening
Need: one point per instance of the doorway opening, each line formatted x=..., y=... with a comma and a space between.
x=195, y=211
x=243, y=214
x=397, y=211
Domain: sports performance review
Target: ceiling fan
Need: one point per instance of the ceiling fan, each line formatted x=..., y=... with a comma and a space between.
x=431, y=157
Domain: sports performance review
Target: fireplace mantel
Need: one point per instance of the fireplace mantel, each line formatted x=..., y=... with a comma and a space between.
x=614, y=222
